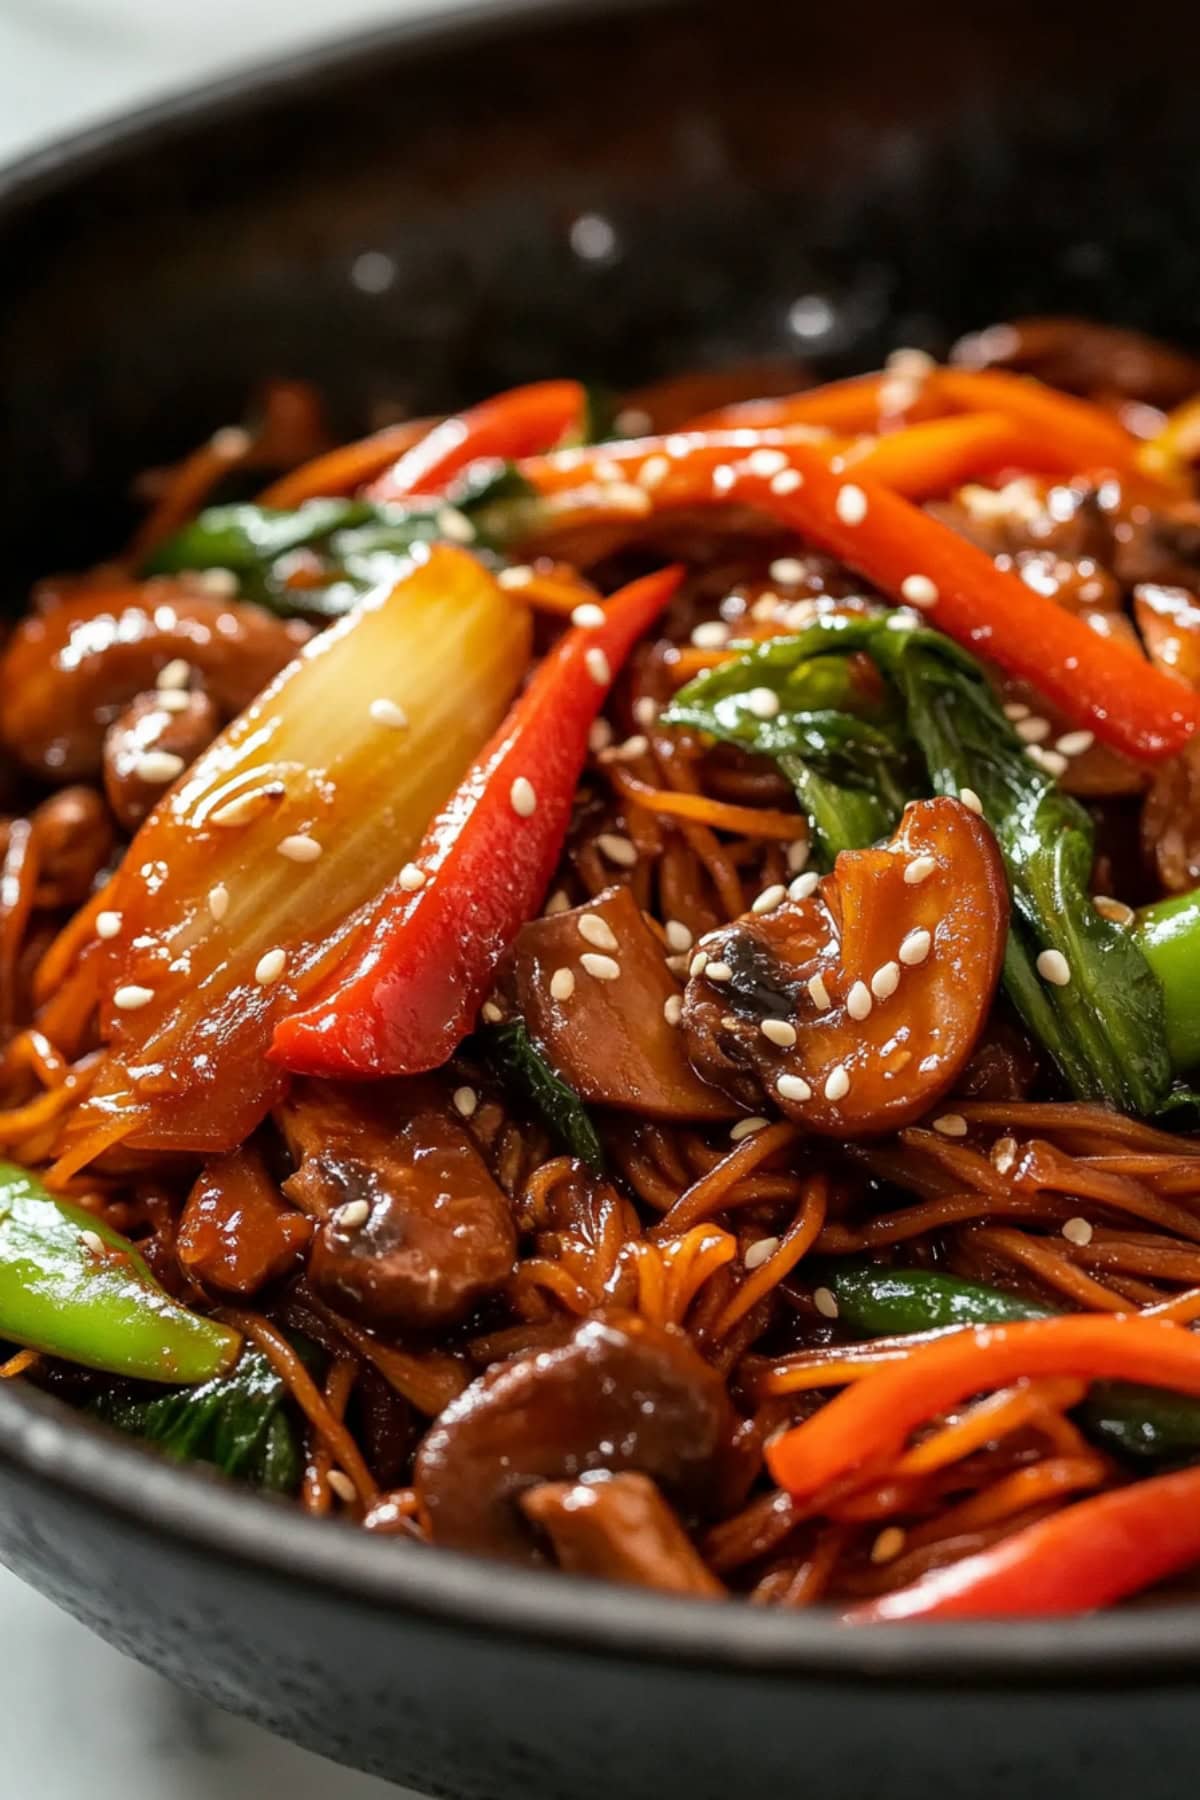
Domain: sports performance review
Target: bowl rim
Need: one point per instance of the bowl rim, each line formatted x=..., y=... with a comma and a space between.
x=47, y=1443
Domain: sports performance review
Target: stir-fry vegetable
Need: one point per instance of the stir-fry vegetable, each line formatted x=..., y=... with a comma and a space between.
x=1168, y=935
x=524, y=1071
x=413, y=983
x=1090, y=1555
x=238, y=1422
x=72, y=1287
x=1079, y=980
x=518, y=423
x=882, y=1302
x=241, y=888
x=872, y=1419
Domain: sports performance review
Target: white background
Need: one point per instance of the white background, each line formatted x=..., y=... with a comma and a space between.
x=78, y=1722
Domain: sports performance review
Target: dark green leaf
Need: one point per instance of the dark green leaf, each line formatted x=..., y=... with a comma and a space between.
x=239, y=1423
x=520, y=1065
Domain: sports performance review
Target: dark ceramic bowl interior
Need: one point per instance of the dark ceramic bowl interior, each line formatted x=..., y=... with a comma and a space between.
x=398, y=219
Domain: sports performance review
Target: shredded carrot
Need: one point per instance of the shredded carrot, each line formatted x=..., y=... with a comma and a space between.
x=708, y=1194
x=315, y=1491
x=856, y=405
x=1036, y=1255
x=348, y=467
x=1085, y=435
x=1051, y=1479
x=19, y=1364
x=799, y=1240
x=934, y=458
x=721, y=815
x=989, y=1420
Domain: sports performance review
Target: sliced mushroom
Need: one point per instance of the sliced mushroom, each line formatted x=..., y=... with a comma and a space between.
x=617, y=1394
x=73, y=839
x=619, y=1528
x=236, y=1233
x=595, y=991
x=415, y=1232
x=68, y=673
x=856, y=1008
x=149, y=746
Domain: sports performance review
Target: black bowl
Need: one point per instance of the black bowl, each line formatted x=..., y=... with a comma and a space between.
x=395, y=219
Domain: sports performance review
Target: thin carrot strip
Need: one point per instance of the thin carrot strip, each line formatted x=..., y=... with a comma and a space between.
x=1036, y=1255
x=721, y=815
x=934, y=458
x=1017, y=1492
x=706, y=1195
x=348, y=467
x=799, y=1240
x=855, y=405
x=995, y=1417
x=1087, y=435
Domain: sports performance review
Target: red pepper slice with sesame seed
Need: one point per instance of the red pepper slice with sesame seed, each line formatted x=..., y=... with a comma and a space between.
x=518, y=423
x=1099, y=684
x=1087, y=1556
x=417, y=970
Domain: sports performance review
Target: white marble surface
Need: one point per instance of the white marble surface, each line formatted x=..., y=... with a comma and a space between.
x=63, y=64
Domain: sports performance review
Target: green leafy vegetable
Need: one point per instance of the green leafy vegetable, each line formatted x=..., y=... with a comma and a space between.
x=72, y=1287
x=880, y=1302
x=1106, y=1027
x=239, y=1423
x=1169, y=937
x=520, y=1065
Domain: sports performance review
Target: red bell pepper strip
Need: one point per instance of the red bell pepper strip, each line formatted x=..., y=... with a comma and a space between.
x=518, y=423
x=1097, y=682
x=416, y=975
x=1085, y=1557
x=868, y=1424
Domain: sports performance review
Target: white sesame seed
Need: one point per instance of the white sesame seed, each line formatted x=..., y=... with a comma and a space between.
x=158, y=766
x=789, y=571
x=597, y=666
x=1053, y=762
x=175, y=674
x=919, y=591
x=787, y=481
x=770, y=898
x=885, y=980
x=231, y=441
x=300, y=848
x=522, y=797
x=1016, y=709
x=798, y=852
x=270, y=967
x=557, y=903
x=837, y=1082
x=712, y=634
x=804, y=885
x=645, y=712
x=851, y=505
x=746, y=1128
x=765, y=461
x=173, y=700
x=588, y=615
x=654, y=470
x=519, y=576
x=91, y=1240
x=970, y=799
x=763, y=702
x=353, y=1213
x=454, y=525
x=490, y=1013
x=218, y=902
x=723, y=479
x=597, y=931
x=673, y=1008
x=1077, y=1231
x=600, y=736
x=411, y=878
x=915, y=947
x=859, y=1001
x=698, y=963
x=793, y=1087
x=825, y=1301
x=562, y=984
x=888, y=1544
x=629, y=750
x=465, y=1102
x=387, y=712
x=601, y=968
x=132, y=998
x=818, y=993
x=1004, y=1154
x=1115, y=911
x=342, y=1486
x=951, y=1125
x=1053, y=967
x=779, y=1031
x=607, y=470
x=760, y=1252
x=919, y=870
x=1033, y=730
x=1074, y=743
x=678, y=935
x=619, y=850
x=719, y=971
x=108, y=924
